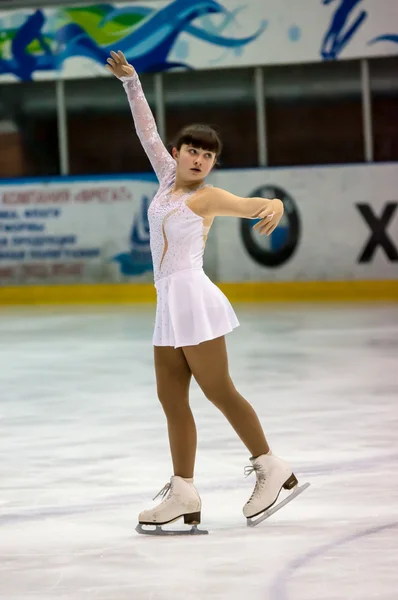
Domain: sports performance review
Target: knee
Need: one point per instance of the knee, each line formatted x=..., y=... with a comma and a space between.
x=218, y=392
x=173, y=402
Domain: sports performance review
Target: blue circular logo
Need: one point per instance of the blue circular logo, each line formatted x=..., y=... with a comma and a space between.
x=280, y=246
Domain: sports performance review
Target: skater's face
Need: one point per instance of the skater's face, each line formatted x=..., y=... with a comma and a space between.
x=194, y=164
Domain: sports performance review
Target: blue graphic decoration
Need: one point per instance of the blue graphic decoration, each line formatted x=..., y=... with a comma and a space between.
x=339, y=33
x=294, y=33
x=138, y=260
x=46, y=39
x=388, y=37
x=278, y=238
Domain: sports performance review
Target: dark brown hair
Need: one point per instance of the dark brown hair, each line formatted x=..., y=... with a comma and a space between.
x=199, y=136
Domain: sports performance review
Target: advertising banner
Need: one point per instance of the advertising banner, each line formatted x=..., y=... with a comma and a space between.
x=71, y=232
x=75, y=41
x=340, y=223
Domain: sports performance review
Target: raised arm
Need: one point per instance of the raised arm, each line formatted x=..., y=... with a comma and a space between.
x=145, y=125
x=215, y=202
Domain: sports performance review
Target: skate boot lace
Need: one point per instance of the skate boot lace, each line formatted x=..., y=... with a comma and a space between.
x=260, y=478
x=163, y=492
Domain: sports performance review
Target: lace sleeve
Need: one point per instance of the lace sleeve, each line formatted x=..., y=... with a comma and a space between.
x=145, y=126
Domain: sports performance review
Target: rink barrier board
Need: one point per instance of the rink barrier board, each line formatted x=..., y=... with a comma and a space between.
x=125, y=293
x=47, y=237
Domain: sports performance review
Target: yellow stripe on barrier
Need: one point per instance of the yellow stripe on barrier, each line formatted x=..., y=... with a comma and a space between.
x=96, y=293
x=312, y=291
x=125, y=293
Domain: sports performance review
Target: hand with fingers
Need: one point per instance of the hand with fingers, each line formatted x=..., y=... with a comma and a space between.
x=270, y=217
x=119, y=66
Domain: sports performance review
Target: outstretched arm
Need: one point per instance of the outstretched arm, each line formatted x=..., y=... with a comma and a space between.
x=215, y=202
x=144, y=121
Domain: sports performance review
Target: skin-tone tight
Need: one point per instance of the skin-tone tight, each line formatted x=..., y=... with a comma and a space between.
x=208, y=363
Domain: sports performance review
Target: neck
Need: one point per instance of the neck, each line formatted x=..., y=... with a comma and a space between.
x=184, y=185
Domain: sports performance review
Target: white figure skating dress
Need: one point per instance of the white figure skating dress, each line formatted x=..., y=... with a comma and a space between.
x=190, y=308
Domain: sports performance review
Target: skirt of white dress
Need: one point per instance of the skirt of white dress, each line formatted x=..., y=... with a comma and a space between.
x=190, y=309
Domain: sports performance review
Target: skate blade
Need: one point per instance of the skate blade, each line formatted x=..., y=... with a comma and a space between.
x=159, y=531
x=253, y=521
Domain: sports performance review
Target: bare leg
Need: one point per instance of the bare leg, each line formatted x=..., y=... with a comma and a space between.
x=173, y=377
x=209, y=365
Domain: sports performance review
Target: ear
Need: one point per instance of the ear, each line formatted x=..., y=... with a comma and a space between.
x=175, y=153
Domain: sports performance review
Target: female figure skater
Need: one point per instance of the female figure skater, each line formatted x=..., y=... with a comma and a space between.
x=192, y=314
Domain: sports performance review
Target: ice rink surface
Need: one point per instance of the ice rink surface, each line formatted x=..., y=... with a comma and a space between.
x=83, y=449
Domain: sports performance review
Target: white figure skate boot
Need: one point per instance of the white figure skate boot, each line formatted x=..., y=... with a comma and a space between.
x=273, y=474
x=181, y=499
